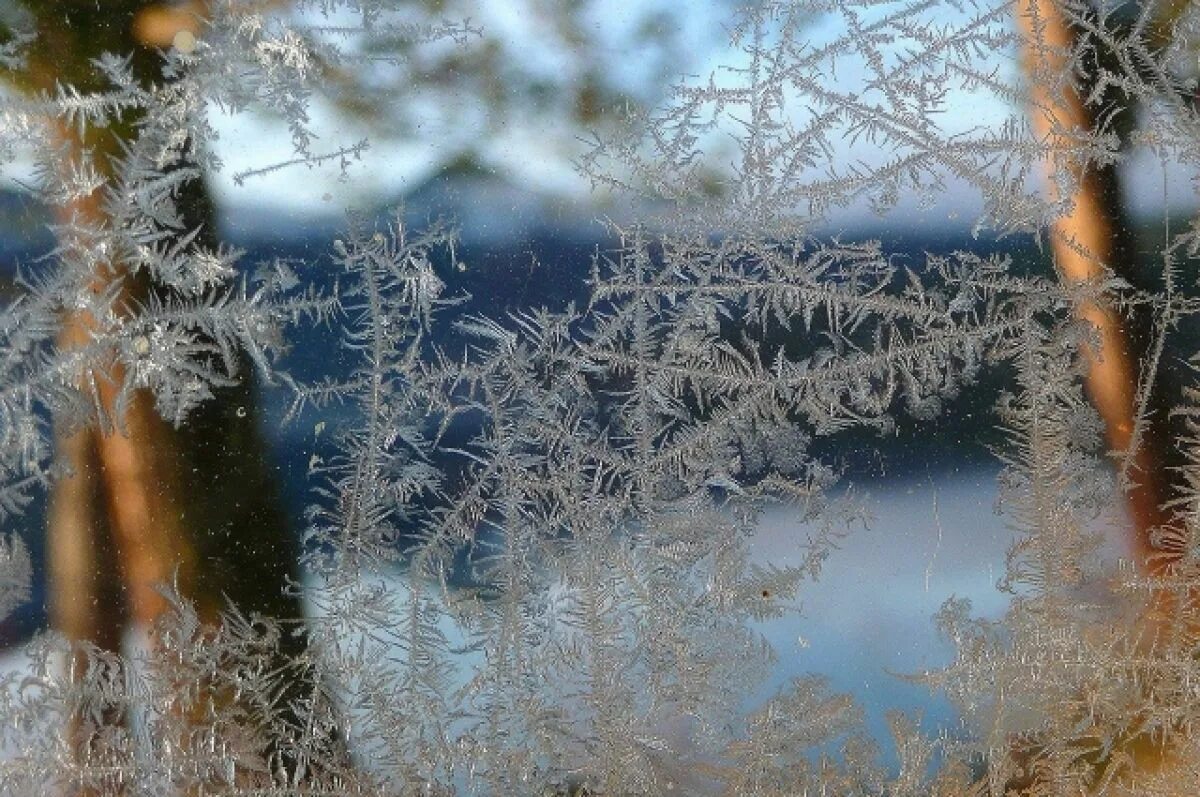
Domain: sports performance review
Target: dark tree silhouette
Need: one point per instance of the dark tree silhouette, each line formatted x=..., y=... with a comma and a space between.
x=145, y=503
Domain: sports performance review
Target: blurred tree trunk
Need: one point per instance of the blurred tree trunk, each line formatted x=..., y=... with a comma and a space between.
x=1095, y=238
x=1092, y=238
x=149, y=505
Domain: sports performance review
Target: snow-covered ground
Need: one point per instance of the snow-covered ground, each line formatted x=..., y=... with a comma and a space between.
x=868, y=618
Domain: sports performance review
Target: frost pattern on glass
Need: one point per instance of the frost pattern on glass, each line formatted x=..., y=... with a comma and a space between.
x=620, y=451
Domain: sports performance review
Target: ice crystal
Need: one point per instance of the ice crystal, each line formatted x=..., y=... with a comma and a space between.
x=601, y=468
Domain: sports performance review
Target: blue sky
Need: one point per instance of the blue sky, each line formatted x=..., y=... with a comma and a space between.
x=538, y=153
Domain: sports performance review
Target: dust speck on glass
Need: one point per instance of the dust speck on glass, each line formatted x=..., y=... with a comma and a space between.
x=817, y=413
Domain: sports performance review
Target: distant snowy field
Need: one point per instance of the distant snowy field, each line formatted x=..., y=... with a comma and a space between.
x=868, y=617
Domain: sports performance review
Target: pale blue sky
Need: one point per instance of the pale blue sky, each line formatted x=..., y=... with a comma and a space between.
x=538, y=154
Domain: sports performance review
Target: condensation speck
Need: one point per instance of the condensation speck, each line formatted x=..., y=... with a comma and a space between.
x=461, y=266
x=241, y=412
x=184, y=42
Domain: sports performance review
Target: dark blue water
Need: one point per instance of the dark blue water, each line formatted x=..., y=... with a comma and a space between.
x=547, y=265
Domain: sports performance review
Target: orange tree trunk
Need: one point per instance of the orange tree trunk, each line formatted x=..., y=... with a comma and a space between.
x=146, y=504
x=1088, y=242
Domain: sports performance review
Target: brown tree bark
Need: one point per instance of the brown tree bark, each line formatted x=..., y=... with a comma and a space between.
x=146, y=505
x=1091, y=242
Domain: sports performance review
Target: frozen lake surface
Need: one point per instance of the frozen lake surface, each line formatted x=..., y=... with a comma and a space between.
x=868, y=618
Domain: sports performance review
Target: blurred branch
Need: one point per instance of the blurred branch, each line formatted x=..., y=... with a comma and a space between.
x=158, y=25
